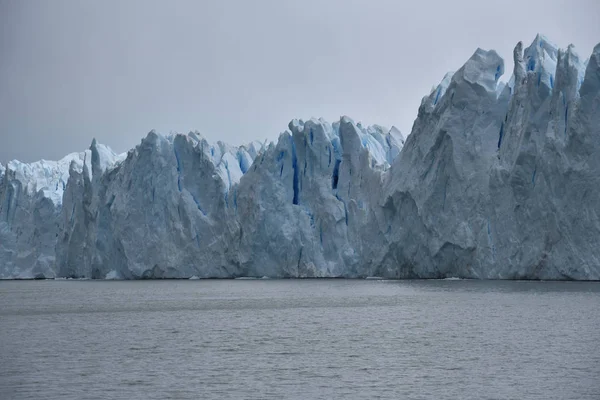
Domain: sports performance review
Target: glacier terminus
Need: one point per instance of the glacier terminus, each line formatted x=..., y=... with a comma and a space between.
x=497, y=180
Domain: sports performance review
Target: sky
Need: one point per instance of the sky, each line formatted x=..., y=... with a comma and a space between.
x=239, y=70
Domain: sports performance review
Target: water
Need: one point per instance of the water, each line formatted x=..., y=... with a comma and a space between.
x=299, y=339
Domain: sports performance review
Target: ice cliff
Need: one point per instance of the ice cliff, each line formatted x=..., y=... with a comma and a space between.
x=31, y=199
x=497, y=180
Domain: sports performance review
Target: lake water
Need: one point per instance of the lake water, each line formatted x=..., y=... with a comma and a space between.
x=299, y=339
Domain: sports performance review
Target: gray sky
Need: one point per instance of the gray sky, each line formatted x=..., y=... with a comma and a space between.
x=240, y=70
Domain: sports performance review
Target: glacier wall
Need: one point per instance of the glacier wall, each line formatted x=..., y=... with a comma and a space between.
x=496, y=181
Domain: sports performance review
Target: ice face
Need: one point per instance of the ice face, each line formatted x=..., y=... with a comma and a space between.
x=496, y=180
x=31, y=199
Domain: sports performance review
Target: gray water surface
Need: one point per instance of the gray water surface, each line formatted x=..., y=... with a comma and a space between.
x=299, y=339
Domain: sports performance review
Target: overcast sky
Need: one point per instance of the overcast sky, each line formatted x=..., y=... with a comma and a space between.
x=239, y=70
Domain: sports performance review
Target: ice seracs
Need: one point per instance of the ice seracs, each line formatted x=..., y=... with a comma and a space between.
x=50, y=177
x=31, y=199
x=164, y=211
x=497, y=180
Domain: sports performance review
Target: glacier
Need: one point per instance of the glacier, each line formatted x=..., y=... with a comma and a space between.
x=497, y=180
